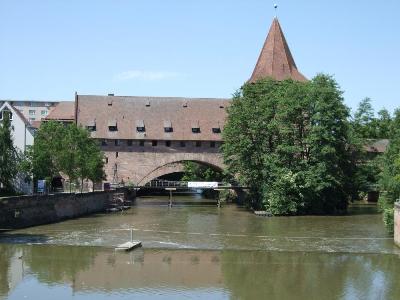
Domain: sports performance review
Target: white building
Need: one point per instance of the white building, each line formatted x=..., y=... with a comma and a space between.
x=23, y=136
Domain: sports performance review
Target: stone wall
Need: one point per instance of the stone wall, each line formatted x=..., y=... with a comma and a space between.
x=397, y=223
x=139, y=165
x=25, y=211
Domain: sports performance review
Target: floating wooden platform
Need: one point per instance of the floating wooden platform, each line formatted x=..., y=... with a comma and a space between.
x=262, y=213
x=129, y=246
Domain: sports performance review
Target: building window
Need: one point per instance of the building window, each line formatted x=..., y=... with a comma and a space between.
x=216, y=130
x=141, y=143
x=116, y=154
x=154, y=143
x=168, y=143
x=129, y=143
x=116, y=142
x=32, y=119
x=196, y=127
x=32, y=112
x=44, y=112
x=106, y=160
x=198, y=144
x=91, y=126
x=104, y=142
x=112, y=125
x=168, y=126
x=212, y=144
x=140, y=126
x=182, y=144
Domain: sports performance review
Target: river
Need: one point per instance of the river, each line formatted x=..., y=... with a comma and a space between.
x=197, y=251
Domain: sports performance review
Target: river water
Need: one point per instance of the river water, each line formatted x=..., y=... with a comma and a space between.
x=202, y=252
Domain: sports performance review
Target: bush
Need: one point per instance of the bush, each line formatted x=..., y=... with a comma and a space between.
x=388, y=219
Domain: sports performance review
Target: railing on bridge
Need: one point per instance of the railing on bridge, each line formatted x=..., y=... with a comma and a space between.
x=158, y=183
x=166, y=183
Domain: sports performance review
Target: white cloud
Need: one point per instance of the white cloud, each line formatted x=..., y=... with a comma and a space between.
x=146, y=75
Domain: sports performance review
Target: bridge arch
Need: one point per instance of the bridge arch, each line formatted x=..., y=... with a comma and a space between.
x=177, y=165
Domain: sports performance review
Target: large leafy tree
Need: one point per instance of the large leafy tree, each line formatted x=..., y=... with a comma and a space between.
x=66, y=150
x=8, y=154
x=289, y=141
x=390, y=175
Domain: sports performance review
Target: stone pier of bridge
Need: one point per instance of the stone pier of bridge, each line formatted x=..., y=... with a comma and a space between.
x=397, y=223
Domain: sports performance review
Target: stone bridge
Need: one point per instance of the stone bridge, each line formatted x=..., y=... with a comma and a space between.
x=142, y=167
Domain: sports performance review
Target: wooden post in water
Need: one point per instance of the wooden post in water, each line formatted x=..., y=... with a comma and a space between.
x=170, y=195
x=218, y=197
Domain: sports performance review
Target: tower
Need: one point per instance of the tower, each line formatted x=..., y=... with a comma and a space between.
x=276, y=60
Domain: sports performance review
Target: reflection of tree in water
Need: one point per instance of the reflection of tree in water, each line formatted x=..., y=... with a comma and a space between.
x=59, y=263
x=6, y=252
x=310, y=275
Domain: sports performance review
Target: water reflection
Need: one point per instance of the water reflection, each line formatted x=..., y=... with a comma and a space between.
x=84, y=271
x=205, y=253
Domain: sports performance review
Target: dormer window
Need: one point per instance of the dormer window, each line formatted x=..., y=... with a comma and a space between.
x=91, y=125
x=216, y=130
x=195, y=127
x=168, y=126
x=140, y=126
x=112, y=125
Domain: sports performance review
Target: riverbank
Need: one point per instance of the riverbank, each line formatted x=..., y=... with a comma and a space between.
x=25, y=211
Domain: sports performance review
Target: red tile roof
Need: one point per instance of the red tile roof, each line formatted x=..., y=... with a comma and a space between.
x=154, y=112
x=276, y=60
x=63, y=111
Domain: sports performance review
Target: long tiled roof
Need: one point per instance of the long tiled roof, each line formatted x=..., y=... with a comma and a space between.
x=154, y=113
x=64, y=110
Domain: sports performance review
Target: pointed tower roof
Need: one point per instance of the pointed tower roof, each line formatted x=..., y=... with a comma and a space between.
x=275, y=59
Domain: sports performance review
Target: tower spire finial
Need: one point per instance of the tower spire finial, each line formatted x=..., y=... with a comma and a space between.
x=276, y=10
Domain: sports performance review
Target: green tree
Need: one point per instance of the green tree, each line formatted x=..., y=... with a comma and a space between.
x=46, y=150
x=389, y=177
x=65, y=150
x=364, y=121
x=8, y=155
x=384, y=122
x=289, y=141
x=196, y=172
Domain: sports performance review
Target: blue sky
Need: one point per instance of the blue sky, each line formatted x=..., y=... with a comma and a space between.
x=192, y=48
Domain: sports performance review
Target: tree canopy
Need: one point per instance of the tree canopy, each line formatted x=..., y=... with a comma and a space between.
x=68, y=150
x=8, y=155
x=290, y=142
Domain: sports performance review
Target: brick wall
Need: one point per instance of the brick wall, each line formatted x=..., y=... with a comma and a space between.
x=137, y=163
x=25, y=211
